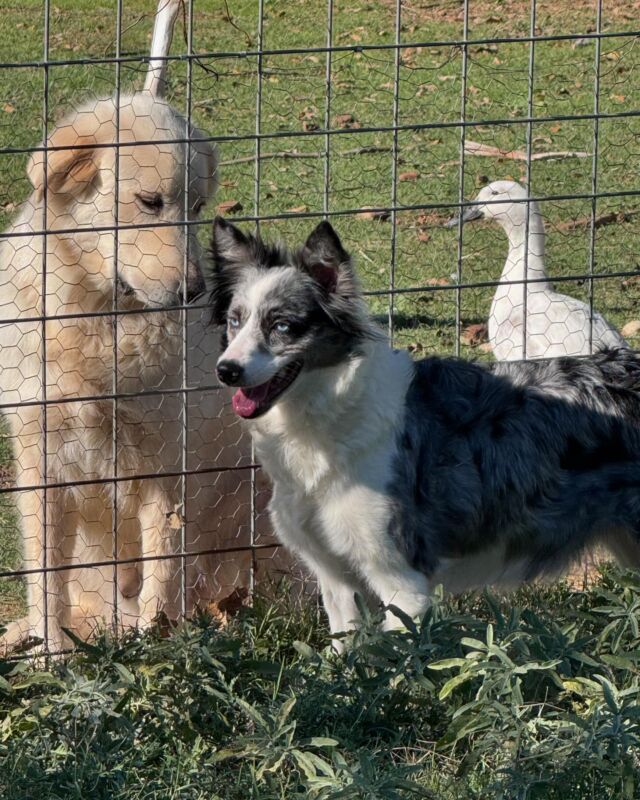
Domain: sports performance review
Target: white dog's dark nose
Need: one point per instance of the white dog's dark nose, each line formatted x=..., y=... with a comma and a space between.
x=229, y=372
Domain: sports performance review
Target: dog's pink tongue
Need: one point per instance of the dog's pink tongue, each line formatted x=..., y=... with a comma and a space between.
x=243, y=406
x=246, y=402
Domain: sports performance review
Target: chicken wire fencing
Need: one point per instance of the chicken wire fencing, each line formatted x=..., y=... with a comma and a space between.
x=128, y=488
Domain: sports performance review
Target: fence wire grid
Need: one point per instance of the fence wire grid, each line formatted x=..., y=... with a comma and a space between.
x=126, y=485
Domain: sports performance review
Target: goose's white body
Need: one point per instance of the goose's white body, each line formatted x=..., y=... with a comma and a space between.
x=556, y=324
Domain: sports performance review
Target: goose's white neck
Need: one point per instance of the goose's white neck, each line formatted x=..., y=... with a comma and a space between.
x=526, y=247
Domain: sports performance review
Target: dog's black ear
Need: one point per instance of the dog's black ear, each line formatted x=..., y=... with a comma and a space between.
x=323, y=256
x=230, y=249
x=229, y=245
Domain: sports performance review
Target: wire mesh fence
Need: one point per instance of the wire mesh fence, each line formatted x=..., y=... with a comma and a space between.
x=127, y=486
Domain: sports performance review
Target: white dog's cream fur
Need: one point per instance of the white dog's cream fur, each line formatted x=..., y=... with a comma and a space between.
x=69, y=273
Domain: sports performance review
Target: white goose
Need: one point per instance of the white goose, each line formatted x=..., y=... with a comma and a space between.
x=556, y=324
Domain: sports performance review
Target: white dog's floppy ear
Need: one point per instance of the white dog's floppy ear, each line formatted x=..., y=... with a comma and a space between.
x=209, y=153
x=323, y=256
x=212, y=169
x=70, y=170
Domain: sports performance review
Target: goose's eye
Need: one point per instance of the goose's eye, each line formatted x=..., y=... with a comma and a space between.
x=282, y=327
x=152, y=202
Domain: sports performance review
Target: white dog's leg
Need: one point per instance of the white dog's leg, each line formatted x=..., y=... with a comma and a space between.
x=160, y=589
x=60, y=525
x=47, y=595
x=96, y=592
x=32, y=522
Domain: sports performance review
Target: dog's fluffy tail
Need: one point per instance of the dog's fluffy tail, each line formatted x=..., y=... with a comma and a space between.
x=156, y=80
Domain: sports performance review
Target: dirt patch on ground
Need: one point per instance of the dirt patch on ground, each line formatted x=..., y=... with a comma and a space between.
x=7, y=478
x=610, y=218
x=552, y=16
x=586, y=572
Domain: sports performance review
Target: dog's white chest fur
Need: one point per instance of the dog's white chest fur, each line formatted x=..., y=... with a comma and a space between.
x=329, y=449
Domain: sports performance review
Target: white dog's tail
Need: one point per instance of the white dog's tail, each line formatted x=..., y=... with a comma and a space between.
x=156, y=80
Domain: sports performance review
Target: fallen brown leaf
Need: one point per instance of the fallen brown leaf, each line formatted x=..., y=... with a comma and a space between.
x=374, y=214
x=409, y=176
x=432, y=219
x=423, y=236
x=473, y=335
x=175, y=519
x=607, y=218
x=632, y=280
x=438, y=282
x=297, y=209
x=346, y=121
x=164, y=625
x=8, y=108
x=229, y=207
x=223, y=610
x=631, y=328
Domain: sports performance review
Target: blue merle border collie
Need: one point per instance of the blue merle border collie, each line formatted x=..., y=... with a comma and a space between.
x=392, y=475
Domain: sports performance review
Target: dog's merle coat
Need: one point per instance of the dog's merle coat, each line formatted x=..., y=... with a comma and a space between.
x=390, y=474
x=541, y=456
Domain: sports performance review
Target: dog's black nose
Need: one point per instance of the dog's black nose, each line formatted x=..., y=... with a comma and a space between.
x=229, y=372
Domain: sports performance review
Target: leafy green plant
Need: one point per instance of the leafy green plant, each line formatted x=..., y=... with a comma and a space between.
x=530, y=696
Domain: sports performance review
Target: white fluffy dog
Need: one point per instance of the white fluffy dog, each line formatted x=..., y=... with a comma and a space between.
x=110, y=189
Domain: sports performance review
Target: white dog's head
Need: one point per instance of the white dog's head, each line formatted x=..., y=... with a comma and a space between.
x=128, y=167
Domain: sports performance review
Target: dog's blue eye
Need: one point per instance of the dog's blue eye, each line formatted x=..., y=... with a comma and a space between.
x=282, y=327
x=234, y=322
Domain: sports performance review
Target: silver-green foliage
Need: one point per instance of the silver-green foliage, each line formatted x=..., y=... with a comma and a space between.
x=533, y=695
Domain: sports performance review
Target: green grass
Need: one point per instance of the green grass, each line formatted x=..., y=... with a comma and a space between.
x=12, y=590
x=483, y=700
x=293, y=95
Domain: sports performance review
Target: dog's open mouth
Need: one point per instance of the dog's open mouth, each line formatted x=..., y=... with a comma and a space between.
x=253, y=401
